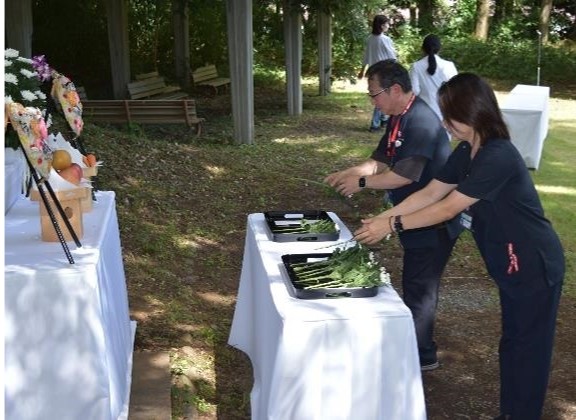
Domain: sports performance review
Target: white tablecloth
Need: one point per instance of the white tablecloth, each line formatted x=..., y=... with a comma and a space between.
x=525, y=111
x=68, y=336
x=350, y=358
x=14, y=171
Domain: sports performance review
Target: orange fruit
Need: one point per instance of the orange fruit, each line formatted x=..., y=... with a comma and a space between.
x=91, y=159
x=61, y=159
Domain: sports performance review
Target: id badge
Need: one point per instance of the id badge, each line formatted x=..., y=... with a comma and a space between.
x=466, y=220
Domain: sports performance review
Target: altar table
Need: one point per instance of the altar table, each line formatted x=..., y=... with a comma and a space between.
x=345, y=358
x=525, y=111
x=14, y=170
x=68, y=335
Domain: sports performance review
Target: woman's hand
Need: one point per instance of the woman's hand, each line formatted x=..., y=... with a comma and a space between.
x=373, y=230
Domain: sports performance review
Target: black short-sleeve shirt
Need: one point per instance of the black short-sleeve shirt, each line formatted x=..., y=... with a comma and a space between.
x=521, y=249
x=421, y=135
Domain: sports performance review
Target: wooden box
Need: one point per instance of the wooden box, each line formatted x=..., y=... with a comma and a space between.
x=71, y=202
x=89, y=171
x=87, y=199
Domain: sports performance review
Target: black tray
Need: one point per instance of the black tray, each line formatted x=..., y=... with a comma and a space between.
x=326, y=293
x=276, y=219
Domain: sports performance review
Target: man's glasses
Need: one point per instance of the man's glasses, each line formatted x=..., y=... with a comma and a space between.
x=373, y=95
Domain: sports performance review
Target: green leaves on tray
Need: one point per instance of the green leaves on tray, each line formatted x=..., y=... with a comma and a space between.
x=345, y=268
x=306, y=226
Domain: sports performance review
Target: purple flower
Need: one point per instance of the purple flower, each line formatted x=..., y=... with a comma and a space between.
x=42, y=68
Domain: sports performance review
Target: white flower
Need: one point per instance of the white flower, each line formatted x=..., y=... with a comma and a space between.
x=7, y=63
x=384, y=276
x=25, y=60
x=10, y=78
x=29, y=74
x=10, y=53
x=8, y=99
x=29, y=96
x=40, y=94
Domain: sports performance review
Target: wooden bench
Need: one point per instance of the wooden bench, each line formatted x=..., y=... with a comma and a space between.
x=208, y=76
x=153, y=86
x=152, y=111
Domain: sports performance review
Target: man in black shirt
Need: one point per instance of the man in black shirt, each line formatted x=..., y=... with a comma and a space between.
x=414, y=147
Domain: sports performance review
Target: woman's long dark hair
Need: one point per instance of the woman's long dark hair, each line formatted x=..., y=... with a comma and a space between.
x=468, y=99
x=431, y=46
x=377, y=23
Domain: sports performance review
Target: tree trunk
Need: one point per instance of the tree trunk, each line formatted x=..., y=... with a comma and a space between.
x=19, y=26
x=413, y=14
x=324, y=52
x=482, y=20
x=425, y=14
x=544, y=20
x=503, y=9
x=181, y=42
x=117, y=18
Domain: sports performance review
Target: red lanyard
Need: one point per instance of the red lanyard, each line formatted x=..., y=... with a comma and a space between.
x=391, y=149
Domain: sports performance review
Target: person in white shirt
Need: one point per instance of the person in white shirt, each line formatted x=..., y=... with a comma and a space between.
x=428, y=73
x=379, y=47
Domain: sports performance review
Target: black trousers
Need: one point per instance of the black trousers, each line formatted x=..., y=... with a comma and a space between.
x=528, y=328
x=421, y=273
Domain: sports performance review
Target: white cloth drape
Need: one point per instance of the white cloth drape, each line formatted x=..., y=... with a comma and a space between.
x=349, y=358
x=68, y=336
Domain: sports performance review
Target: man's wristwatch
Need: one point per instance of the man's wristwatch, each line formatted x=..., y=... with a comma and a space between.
x=362, y=182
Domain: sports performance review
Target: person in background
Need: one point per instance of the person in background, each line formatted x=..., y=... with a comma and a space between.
x=413, y=148
x=428, y=73
x=486, y=180
x=378, y=47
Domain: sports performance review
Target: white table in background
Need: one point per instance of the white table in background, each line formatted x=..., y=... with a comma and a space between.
x=525, y=111
x=68, y=336
x=350, y=358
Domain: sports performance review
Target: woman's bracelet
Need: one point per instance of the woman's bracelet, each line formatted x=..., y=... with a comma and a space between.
x=392, y=230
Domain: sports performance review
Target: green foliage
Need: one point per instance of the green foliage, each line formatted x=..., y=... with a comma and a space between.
x=209, y=34
x=460, y=20
x=74, y=37
x=408, y=44
x=79, y=48
x=499, y=59
x=268, y=36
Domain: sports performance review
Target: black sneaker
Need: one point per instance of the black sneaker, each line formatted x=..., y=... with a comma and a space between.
x=430, y=366
x=375, y=129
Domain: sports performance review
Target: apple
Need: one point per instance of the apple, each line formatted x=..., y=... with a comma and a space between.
x=72, y=174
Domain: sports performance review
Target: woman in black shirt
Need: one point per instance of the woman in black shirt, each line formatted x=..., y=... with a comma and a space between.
x=486, y=179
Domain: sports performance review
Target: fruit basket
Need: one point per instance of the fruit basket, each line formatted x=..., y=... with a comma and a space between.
x=301, y=225
x=349, y=273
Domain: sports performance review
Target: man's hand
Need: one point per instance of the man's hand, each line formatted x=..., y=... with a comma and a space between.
x=344, y=183
x=334, y=178
x=373, y=230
